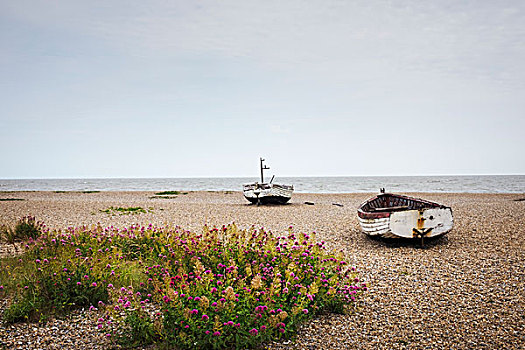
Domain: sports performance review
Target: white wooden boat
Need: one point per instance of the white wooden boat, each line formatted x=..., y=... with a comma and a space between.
x=395, y=216
x=267, y=193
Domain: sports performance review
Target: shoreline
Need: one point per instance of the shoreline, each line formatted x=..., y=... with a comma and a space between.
x=463, y=290
x=514, y=183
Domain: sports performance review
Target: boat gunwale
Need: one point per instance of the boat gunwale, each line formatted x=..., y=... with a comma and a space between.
x=266, y=185
x=387, y=212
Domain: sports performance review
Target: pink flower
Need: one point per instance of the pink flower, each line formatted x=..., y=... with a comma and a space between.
x=79, y=283
x=305, y=311
x=254, y=331
x=217, y=333
x=205, y=317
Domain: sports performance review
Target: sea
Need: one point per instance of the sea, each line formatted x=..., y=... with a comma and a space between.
x=335, y=184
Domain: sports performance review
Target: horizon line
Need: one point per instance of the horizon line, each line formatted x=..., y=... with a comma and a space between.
x=251, y=176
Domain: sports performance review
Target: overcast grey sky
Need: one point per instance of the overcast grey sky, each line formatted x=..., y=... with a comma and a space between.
x=203, y=88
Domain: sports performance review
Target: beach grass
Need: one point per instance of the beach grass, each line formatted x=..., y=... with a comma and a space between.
x=26, y=228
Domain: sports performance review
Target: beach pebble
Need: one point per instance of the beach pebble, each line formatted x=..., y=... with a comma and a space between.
x=462, y=291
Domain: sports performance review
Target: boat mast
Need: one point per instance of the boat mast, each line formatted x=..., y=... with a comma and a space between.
x=263, y=167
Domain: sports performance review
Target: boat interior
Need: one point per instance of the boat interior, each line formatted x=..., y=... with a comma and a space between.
x=265, y=186
x=390, y=202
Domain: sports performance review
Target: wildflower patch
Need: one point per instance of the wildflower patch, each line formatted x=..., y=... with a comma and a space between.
x=221, y=288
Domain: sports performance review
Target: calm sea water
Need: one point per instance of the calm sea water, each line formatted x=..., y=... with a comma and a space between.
x=461, y=184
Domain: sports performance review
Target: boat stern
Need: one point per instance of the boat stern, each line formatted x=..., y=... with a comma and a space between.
x=427, y=222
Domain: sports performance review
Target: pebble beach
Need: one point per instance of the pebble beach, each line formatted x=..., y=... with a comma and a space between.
x=465, y=290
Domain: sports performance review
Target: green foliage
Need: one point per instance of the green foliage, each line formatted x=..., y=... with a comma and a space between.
x=7, y=234
x=23, y=310
x=27, y=227
x=90, y=191
x=222, y=288
x=125, y=211
x=137, y=329
x=163, y=193
x=11, y=199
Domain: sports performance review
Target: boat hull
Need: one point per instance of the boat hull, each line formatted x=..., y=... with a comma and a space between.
x=417, y=219
x=267, y=193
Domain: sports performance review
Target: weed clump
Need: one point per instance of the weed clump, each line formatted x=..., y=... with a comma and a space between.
x=164, y=193
x=125, y=211
x=26, y=228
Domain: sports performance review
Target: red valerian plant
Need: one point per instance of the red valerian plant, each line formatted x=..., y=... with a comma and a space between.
x=222, y=288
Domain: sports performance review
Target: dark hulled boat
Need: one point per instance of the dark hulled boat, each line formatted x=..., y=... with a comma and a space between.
x=267, y=193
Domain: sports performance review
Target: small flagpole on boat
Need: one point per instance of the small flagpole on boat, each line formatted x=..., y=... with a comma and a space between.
x=263, y=167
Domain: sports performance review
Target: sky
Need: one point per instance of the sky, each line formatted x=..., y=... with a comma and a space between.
x=96, y=89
